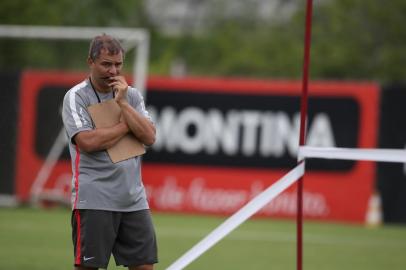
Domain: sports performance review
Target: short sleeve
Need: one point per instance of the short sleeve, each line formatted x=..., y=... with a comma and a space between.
x=75, y=116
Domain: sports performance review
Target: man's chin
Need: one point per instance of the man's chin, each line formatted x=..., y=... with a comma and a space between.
x=104, y=86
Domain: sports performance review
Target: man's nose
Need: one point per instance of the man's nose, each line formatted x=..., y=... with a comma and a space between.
x=113, y=70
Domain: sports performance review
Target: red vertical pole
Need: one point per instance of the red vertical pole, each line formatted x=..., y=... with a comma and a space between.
x=302, y=136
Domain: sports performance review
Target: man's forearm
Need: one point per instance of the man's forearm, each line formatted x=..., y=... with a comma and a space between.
x=101, y=138
x=139, y=125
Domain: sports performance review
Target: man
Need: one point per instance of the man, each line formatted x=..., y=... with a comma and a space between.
x=110, y=210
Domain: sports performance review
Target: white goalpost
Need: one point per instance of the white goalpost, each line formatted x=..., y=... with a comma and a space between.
x=132, y=38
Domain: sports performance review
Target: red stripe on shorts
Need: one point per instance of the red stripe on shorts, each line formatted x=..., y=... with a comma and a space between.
x=78, y=254
x=78, y=238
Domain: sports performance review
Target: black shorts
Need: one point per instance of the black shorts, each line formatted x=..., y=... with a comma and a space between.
x=129, y=236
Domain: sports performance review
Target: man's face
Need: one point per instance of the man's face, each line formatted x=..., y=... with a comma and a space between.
x=103, y=68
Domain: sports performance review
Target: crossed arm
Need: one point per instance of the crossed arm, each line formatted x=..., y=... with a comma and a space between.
x=104, y=138
x=131, y=121
x=100, y=138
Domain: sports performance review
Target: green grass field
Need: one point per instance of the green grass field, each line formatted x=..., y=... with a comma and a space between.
x=40, y=239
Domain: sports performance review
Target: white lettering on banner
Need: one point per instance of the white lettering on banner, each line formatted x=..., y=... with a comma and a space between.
x=314, y=204
x=404, y=166
x=220, y=132
x=169, y=196
x=321, y=133
x=249, y=132
x=191, y=117
x=250, y=124
x=214, y=200
x=279, y=132
x=198, y=197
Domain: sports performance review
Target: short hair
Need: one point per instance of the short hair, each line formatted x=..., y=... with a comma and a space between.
x=104, y=42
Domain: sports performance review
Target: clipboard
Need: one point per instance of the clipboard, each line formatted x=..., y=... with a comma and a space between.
x=107, y=114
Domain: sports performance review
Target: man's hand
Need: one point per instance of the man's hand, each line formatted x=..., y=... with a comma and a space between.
x=120, y=87
x=122, y=119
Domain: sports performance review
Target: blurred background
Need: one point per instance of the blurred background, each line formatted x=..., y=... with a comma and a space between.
x=223, y=86
x=352, y=39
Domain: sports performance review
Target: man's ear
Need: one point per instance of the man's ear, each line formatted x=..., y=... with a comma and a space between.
x=89, y=61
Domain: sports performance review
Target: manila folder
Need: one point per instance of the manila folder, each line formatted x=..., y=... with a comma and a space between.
x=107, y=114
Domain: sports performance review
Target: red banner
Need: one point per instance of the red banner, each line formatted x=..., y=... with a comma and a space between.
x=334, y=194
x=220, y=142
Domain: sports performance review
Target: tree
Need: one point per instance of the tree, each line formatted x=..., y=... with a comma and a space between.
x=352, y=39
x=17, y=54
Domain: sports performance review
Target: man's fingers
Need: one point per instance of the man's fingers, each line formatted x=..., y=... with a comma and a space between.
x=117, y=78
x=118, y=83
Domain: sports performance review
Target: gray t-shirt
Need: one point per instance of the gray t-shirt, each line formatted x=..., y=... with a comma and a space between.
x=97, y=182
